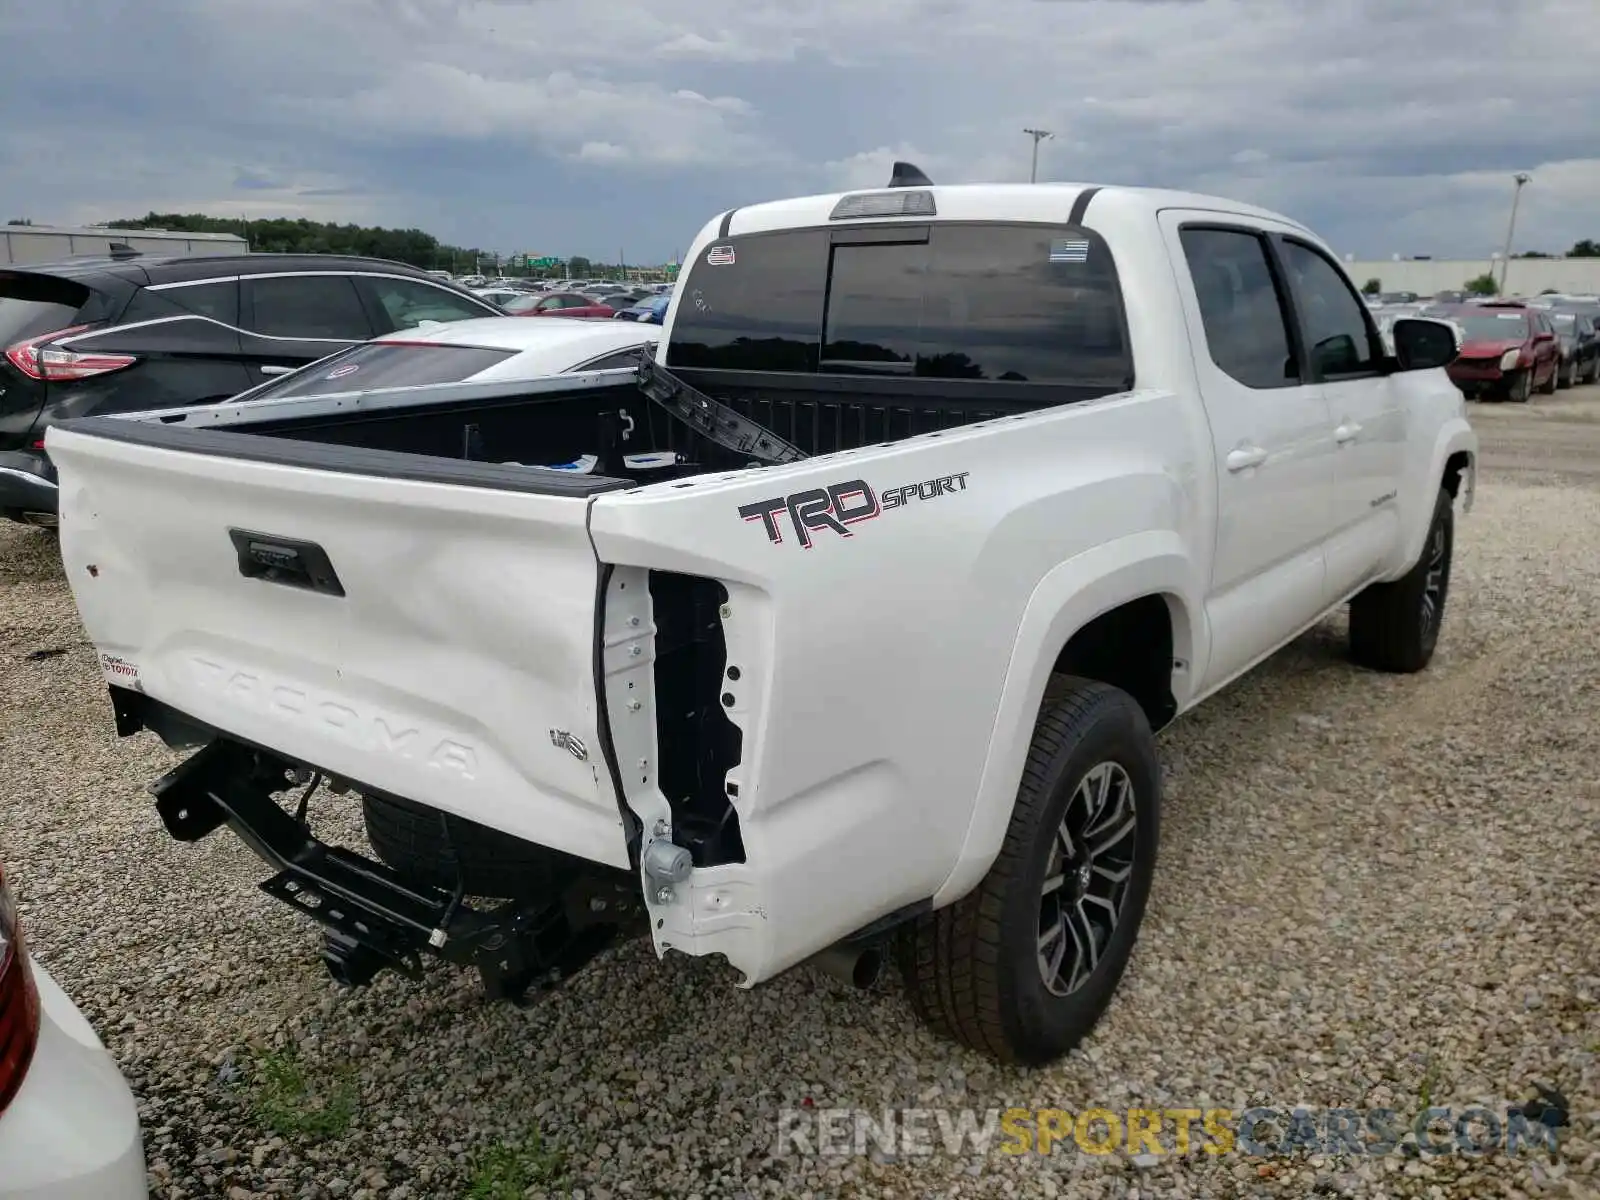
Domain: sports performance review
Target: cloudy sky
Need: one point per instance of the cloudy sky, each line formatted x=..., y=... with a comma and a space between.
x=606, y=126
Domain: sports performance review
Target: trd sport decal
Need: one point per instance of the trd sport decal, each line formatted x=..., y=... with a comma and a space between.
x=842, y=505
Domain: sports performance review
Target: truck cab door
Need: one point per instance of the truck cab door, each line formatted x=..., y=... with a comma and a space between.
x=1271, y=437
x=1346, y=356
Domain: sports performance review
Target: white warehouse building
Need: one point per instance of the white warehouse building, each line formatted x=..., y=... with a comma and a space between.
x=21, y=244
x=1524, y=276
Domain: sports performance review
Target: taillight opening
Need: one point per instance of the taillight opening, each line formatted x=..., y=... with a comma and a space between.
x=36, y=359
x=19, y=1001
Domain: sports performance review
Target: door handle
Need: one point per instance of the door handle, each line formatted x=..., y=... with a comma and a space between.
x=1246, y=457
x=277, y=370
x=1347, y=432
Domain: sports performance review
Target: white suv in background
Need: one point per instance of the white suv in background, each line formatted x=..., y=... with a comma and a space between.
x=68, y=1126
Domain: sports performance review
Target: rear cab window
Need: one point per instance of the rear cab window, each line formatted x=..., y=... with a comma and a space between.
x=983, y=303
x=384, y=365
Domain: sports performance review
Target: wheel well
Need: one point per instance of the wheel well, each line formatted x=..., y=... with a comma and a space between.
x=1130, y=647
x=1454, y=467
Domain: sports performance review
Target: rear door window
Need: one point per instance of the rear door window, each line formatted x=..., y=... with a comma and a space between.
x=385, y=365
x=998, y=303
x=308, y=306
x=218, y=301
x=1247, y=331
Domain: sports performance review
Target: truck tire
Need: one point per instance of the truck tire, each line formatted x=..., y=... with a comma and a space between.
x=1395, y=626
x=1023, y=966
x=493, y=864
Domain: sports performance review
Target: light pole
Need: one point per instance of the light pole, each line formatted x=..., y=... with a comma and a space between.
x=1038, y=135
x=1522, y=178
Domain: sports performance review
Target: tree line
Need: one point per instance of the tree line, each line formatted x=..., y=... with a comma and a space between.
x=297, y=235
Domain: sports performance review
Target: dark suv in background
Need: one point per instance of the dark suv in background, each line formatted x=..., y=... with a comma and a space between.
x=137, y=332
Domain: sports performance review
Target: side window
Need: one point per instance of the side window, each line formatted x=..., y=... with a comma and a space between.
x=308, y=306
x=1246, y=329
x=219, y=301
x=1333, y=320
x=408, y=302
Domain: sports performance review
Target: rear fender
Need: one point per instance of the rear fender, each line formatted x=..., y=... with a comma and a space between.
x=1067, y=599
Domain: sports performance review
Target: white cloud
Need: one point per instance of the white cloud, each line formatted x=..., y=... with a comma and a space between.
x=603, y=152
x=723, y=48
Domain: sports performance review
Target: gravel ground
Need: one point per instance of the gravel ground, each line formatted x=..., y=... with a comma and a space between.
x=1373, y=891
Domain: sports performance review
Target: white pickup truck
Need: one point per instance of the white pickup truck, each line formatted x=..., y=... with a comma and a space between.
x=844, y=623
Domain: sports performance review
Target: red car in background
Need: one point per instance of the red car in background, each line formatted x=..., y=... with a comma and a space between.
x=1509, y=349
x=564, y=304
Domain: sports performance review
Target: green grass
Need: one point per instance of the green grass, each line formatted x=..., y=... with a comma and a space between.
x=505, y=1172
x=1430, y=1080
x=291, y=1102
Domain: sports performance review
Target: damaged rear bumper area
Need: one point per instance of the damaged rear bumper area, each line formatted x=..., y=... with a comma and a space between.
x=375, y=918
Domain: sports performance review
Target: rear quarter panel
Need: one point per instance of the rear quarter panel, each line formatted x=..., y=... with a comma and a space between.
x=872, y=664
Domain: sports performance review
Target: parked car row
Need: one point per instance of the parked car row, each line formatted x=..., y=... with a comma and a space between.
x=1513, y=347
x=608, y=300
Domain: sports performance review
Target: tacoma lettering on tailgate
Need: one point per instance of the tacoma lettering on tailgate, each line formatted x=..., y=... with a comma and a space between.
x=372, y=730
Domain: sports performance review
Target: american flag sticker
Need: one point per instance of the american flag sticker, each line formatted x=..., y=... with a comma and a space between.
x=1069, y=250
x=720, y=256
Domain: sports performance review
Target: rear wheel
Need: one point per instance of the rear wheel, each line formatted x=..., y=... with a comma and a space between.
x=1024, y=965
x=411, y=839
x=1395, y=626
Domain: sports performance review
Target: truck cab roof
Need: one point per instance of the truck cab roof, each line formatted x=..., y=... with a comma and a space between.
x=1050, y=203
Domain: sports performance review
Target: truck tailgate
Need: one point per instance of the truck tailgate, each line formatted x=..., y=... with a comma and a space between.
x=433, y=640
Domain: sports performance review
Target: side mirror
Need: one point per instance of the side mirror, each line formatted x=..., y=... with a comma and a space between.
x=1543, y=337
x=1421, y=343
